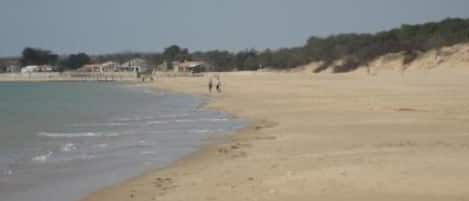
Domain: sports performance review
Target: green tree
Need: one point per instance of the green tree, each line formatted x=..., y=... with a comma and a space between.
x=76, y=61
x=171, y=52
x=36, y=56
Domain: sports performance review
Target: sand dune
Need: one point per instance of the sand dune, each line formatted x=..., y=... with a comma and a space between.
x=453, y=58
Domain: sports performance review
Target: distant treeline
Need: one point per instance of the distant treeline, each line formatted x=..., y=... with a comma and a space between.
x=37, y=56
x=353, y=49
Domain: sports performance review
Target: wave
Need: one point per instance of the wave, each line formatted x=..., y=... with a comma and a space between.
x=86, y=157
x=134, y=118
x=109, y=124
x=42, y=158
x=74, y=158
x=187, y=120
x=75, y=135
x=202, y=119
x=69, y=147
x=174, y=115
x=101, y=146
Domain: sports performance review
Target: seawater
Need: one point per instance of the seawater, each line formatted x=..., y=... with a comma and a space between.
x=62, y=141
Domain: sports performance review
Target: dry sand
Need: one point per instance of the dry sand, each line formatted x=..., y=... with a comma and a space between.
x=324, y=137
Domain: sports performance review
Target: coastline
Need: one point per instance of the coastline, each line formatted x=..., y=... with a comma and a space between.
x=207, y=152
x=328, y=137
x=69, y=76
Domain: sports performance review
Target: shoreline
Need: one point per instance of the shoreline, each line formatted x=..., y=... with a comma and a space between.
x=326, y=137
x=68, y=76
x=207, y=151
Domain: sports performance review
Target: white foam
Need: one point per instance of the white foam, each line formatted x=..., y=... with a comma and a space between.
x=68, y=147
x=42, y=158
x=202, y=119
x=216, y=119
x=109, y=124
x=75, y=135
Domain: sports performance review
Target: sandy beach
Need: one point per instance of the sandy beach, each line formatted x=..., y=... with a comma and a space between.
x=391, y=136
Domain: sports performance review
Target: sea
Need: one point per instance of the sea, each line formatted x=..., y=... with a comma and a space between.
x=61, y=141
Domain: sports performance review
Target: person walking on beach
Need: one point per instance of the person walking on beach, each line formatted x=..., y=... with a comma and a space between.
x=210, y=85
x=218, y=86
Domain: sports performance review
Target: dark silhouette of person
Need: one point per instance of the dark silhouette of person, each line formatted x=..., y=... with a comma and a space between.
x=218, y=86
x=210, y=85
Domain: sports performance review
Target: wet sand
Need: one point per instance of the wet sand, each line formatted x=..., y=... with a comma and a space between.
x=393, y=136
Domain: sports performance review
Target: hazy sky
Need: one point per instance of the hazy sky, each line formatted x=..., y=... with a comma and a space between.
x=105, y=26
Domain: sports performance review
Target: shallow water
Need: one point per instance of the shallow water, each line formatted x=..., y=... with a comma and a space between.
x=61, y=141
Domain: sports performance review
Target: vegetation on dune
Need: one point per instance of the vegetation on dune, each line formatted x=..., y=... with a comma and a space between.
x=352, y=49
x=359, y=49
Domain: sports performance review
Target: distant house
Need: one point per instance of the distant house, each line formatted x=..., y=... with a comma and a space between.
x=13, y=69
x=190, y=66
x=109, y=66
x=163, y=67
x=135, y=65
x=46, y=68
x=90, y=68
x=30, y=69
x=10, y=65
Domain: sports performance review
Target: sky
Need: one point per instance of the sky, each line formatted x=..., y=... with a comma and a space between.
x=109, y=26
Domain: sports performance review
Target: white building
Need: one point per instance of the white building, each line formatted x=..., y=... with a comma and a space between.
x=109, y=66
x=135, y=65
x=46, y=68
x=190, y=66
x=30, y=69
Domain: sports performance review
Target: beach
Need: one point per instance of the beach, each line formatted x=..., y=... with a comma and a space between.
x=234, y=100
x=390, y=136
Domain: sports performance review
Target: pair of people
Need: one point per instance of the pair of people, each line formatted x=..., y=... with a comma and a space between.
x=217, y=86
